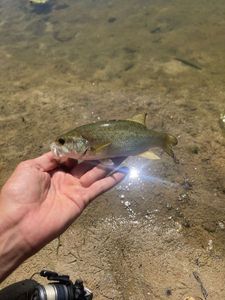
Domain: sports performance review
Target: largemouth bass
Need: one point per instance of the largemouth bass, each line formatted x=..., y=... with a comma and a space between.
x=114, y=138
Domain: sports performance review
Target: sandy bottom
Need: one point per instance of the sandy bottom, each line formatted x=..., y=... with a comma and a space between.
x=81, y=61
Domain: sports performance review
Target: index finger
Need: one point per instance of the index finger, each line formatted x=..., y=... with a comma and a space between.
x=99, y=172
x=103, y=185
x=45, y=162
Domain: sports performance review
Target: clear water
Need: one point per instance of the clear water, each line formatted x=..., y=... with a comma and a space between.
x=125, y=43
x=78, y=61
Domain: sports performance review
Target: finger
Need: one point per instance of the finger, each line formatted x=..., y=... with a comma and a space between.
x=83, y=168
x=48, y=162
x=45, y=162
x=105, y=184
x=100, y=171
x=94, y=174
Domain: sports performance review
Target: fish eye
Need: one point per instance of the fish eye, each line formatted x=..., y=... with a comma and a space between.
x=61, y=141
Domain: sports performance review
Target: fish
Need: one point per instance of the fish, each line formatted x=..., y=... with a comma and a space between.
x=105, y=140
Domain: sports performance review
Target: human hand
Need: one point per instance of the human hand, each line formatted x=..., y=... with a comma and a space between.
x=41, y=199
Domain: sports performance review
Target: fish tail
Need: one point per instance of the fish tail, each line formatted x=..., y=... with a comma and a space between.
x=169, y=142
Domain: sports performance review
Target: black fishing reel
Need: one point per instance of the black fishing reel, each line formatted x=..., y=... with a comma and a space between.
x=60, y=287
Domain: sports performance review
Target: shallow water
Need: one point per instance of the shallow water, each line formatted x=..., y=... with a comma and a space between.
x=75, y=62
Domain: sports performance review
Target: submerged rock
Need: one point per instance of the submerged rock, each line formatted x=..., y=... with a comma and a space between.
x=112, y=19
x=194, y=149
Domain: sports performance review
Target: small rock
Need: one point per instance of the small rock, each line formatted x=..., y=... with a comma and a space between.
x=184, y=197
x=112, y=19
x=127, y=203
x=168, y=206
x=186, y=184
x=221, y=225
x=210, y=245
x=168, y=292
x=193, y=149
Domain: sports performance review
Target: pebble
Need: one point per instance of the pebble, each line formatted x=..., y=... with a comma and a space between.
x=112, y=19
x=221, y=225
x=193, y=149
x=127, y=203
x=186, y=185
x=168, y=292
x=184, y=197
x=168, y=206
x=210, y=245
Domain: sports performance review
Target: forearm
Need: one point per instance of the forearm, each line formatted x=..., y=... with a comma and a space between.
x=13, y=249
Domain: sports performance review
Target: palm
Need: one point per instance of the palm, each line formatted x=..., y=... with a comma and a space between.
x=45, y=200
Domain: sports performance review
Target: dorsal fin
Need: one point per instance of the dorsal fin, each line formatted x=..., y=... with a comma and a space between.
x=140, y=118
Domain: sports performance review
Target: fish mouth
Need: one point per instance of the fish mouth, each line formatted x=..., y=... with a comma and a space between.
x=58, y=150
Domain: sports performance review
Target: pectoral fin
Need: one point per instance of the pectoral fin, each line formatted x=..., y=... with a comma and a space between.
x=149, y=155
x=98, y=148
x=107, y=162
x=140, y=118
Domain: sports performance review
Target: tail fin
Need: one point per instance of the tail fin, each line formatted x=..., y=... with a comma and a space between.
x=169, y=142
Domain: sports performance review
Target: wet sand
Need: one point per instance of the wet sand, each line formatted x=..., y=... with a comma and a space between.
x=81, y=61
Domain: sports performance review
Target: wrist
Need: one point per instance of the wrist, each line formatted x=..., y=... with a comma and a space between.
x=13, y=247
